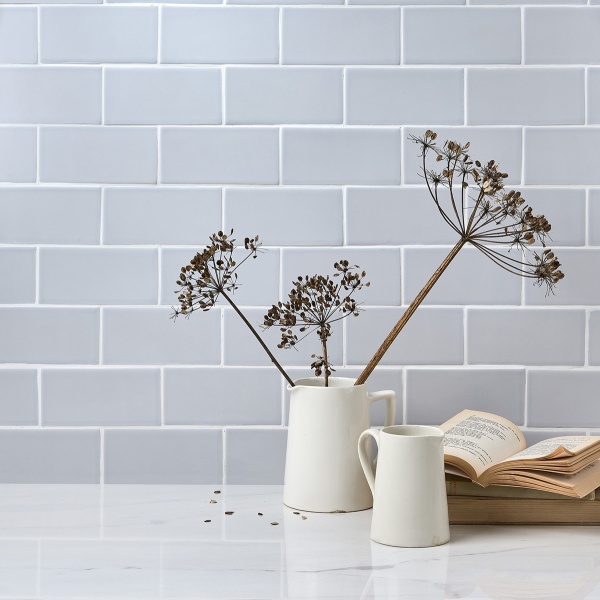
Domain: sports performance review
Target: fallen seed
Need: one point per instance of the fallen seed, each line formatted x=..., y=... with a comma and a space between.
x=304, y=518
x=274, y=523
x=228, y=512
x=296, y=513
x=207, y=521
x=213, y=501
x=217, y=492
x=260, y=514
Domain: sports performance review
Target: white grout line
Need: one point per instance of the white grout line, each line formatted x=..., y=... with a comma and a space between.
x=224, y=450
x=465, y=96
x=101, y=338
x=103, y=95
x=223, y=215
x=102, y=216
x=38, y=133
x=344, y=343
x=344, y=217
x=404, y=396
x=162, y=396
x=586, y=84
x=102, y=455
x=523, y=132
x=38, y=34
x=222, y=323
x=280, y=32
x=402, y=29
x=586, y=358
x=344, y=96
x=159, y=35
x=224, y=76
x=280, y=156
x=522, y=11
x=39, y=392
x=37, y=275
x=526, y=400
x=588, y=223
x=465, y=337
x=159, y=131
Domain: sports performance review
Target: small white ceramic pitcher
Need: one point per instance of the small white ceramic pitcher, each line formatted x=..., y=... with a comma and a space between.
x=410, y=508
x=322, y=470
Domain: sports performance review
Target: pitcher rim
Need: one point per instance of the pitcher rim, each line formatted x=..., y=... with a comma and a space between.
x=298, y=383
x=428, y=431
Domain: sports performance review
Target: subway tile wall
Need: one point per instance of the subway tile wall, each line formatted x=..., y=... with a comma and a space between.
x=131, y=131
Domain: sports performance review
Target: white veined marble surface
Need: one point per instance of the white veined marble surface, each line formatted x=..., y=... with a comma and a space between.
x=143, y=542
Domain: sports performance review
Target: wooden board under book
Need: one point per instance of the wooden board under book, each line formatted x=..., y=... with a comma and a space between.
x=471, y=510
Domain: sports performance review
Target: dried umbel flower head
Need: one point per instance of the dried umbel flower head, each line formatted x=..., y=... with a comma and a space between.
x=471, y=197
x=492, y=216
x=314, y=304
x=212, y=273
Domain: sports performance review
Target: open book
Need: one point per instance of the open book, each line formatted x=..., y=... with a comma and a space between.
x=491, y=450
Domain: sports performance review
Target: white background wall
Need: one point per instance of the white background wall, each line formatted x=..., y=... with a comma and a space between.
x=131, y=132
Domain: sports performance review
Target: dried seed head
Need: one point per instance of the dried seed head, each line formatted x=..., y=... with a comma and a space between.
x=494, y=216
x=210, y=273
x=314, y=304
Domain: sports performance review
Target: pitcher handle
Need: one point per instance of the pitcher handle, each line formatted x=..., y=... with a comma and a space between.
x=390, y=397
x=363, y=455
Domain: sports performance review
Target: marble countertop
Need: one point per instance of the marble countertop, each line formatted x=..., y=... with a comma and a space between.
x=78, y=541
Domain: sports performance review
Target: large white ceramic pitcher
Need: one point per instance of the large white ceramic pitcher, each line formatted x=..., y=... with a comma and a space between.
x=322, y=469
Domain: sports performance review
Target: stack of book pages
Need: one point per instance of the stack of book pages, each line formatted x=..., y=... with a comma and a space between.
x=492, y=478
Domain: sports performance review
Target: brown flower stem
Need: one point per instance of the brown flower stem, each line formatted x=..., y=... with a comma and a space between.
x=260, y=340
x=409, y=313
x=324, y=346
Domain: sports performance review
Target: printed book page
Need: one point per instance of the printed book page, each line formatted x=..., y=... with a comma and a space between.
x=476, y=440
x=558, y=447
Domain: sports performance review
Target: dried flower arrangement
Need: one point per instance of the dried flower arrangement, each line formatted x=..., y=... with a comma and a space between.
x=213, y=273
x=493, y=217
x=314, y=304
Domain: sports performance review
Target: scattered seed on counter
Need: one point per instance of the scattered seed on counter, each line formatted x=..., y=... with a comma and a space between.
x=213, y=501
x=296, y=513
x=217, y=492
x=228, y=512
x=260, y=514
x=207, y=521
x=274, y=523
x=304, y=518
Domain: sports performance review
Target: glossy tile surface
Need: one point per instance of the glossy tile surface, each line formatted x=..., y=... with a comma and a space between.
x=84, y=541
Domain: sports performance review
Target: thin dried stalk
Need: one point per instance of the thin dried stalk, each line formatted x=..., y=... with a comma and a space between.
x=493, y=217
x=213, y=273
x=408, y=313
x=260, y=340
